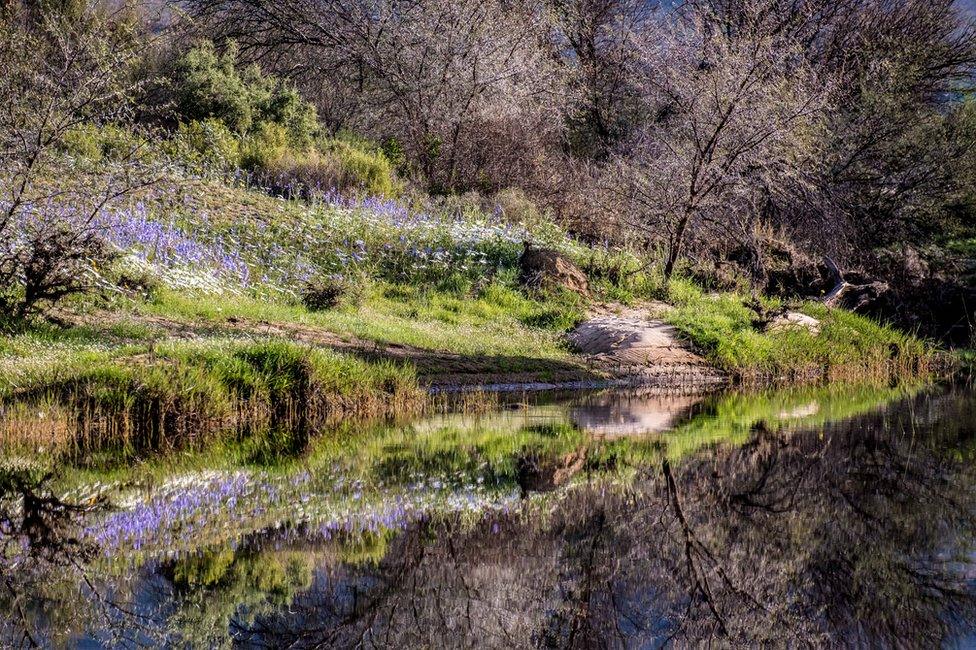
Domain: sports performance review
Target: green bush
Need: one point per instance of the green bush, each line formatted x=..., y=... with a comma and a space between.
x=261, y=149
x=207, y=143
x=364, y=167
x=96, y=143
x=286, y=108
x=207, y=84
x=333, y=164
x=278, y=164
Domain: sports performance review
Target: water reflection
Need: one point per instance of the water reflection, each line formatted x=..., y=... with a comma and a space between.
x=610, y=415
x=828, y=518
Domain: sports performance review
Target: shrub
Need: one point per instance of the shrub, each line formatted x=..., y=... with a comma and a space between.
x=207, y=143
x=50, y=258
x=366, y=168
x=261, y=149
x=333, y=165
x=96, y=143
x=332, y=291
x=286, y=108
x=208, y=84
x=514, y=206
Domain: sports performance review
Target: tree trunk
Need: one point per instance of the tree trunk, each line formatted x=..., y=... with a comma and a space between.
x=675, y=251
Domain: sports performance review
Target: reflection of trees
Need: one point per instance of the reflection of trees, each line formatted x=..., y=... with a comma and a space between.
x=431, y=590
x=41, y=558
x=815, y=542
x=856, y=535
x=213, y=588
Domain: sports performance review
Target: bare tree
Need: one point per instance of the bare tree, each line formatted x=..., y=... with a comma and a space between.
x=60, y=71
x=892, y=140
x=595, y=38
x=735, y=120
x=470, y=91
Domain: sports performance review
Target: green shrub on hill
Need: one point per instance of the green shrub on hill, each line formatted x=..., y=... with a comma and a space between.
x=260, y=149
x=208, y=144
x=208, y=84
x=369, y=166
x=333, y=164
x=105, y=143
x=234, y=118
x=328, y=164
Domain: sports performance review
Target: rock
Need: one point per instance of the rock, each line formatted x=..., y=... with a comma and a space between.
x=780, y=268
x=642, y=412
x=537, y=474
x=630, y=338
x=543, y=268
x=794, y=320
x=799, y=412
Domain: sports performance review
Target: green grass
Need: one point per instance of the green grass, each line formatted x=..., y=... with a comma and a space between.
x=497, y=321
x=437, y=278
x=723, y=328
x=137, y=380
x=178, y=393
x=180, y=370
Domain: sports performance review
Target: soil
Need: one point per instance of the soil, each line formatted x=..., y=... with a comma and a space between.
x=626, y=341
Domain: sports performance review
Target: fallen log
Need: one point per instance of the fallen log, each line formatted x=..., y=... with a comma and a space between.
x=853, y=297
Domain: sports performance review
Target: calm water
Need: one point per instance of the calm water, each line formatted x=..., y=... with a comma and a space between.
x=832, y=517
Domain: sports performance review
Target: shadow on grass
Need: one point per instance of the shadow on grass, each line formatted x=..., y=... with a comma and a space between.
x=440, y=368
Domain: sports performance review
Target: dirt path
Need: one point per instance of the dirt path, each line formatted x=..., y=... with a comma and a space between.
x=634, y=341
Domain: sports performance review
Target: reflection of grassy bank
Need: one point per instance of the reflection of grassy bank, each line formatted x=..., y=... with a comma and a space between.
x=165, y=397
x=733, y=418
x=491, y=450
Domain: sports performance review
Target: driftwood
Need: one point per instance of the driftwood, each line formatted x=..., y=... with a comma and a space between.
x=855, y=297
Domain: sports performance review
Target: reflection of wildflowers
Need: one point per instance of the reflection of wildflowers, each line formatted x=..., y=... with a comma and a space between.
x=226, y=507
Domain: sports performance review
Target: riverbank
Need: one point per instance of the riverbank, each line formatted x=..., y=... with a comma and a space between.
x=229, y=310
x=175, y=372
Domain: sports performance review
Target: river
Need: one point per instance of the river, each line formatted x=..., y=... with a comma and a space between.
x=831, y=517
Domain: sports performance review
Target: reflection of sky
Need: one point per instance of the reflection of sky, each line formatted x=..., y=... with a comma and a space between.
x=603, y=415
x=632, y=416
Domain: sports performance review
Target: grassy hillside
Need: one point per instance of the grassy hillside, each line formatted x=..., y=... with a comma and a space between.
x=227, y=305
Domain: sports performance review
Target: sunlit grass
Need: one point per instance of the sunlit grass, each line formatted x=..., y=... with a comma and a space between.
x=497, y=321
x=180, y=392
x=722, y=327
